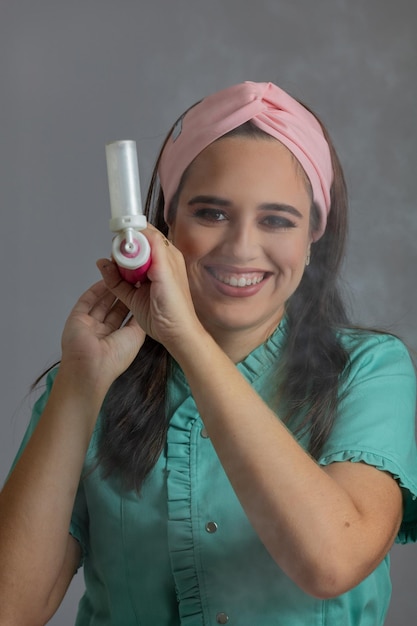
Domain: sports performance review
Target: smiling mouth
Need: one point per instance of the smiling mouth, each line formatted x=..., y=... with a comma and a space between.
x=239, y=280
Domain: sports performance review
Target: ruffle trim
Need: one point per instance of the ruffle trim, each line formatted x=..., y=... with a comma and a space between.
x=180, y=526
x=253, y=366
x=408, y=529
x=265, y=355
x=180, y=530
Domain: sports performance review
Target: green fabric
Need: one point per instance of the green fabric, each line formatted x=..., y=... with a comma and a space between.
x=150, y=561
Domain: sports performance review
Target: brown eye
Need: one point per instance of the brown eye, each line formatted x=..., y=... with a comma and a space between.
x=210, y=215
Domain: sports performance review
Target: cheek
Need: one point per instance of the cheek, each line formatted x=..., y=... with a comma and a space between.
x=190, y=248
x=182, y=239
x=291, y=255
x=192, y=242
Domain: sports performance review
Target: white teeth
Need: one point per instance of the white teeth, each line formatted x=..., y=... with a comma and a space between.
x=240, y=282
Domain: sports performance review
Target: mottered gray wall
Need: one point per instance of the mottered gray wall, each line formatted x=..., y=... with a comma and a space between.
x=75, y=75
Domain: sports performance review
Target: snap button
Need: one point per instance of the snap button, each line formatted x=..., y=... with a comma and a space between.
x=222, y=618
x=211, y=527
x=203, y=433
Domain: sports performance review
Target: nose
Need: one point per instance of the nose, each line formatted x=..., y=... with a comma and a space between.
x=242, y=240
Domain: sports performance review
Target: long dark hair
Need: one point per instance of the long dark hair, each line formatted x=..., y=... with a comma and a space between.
x=134, y=424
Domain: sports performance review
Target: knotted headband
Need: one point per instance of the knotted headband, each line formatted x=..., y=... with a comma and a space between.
x=272, y=110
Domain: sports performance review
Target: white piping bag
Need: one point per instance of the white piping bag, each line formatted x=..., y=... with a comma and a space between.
x=130, y=248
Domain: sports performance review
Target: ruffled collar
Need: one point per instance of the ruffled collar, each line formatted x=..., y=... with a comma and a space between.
x=256, y=362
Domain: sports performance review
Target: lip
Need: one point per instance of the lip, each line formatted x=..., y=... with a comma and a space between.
x=227, y=289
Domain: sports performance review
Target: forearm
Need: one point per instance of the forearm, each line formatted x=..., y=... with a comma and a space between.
x=298, y=510
x=37, y=501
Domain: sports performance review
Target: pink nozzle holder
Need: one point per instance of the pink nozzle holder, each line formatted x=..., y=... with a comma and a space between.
x=134, y=276
x=132, y=260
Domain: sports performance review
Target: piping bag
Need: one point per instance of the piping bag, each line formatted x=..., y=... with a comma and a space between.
x=130, y=248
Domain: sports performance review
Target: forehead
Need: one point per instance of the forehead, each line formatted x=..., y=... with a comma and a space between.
x=251, y=160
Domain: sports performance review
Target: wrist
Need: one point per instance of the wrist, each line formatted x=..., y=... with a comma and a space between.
x=82, y=386
x=195, y=350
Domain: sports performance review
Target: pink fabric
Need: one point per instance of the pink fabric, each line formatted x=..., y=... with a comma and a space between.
x=271, y=109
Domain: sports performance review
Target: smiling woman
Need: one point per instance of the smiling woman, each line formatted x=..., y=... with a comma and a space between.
x=237, y=451
x=246, y=247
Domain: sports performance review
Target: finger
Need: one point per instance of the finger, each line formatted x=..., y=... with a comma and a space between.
x=134, y=324
x=106, y=308
x=90, y=298
x=128, y=340
x=150, y=231
x=123, y=290
x=101, y=304
x=166, y=258
x=115, y=316
x=156, y=237
x=103, y=307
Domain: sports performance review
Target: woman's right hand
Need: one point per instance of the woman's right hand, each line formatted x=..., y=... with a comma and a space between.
x=97, y=343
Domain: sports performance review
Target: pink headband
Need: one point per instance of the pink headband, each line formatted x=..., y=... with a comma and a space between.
x=272, y=110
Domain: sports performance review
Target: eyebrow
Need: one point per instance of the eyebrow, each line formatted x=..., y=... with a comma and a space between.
x=265, y=206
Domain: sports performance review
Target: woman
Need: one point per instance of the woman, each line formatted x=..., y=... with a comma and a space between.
x=253, y=459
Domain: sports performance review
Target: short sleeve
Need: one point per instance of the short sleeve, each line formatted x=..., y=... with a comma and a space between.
x=37, y=411
x=79, y=520
x=376, y=418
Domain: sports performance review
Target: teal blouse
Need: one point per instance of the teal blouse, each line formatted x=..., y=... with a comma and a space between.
x=184, y=553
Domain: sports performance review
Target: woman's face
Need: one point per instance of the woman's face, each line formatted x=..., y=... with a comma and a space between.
x=243, y=226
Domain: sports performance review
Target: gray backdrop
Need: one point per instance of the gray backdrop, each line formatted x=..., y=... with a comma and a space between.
x=77, y=74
